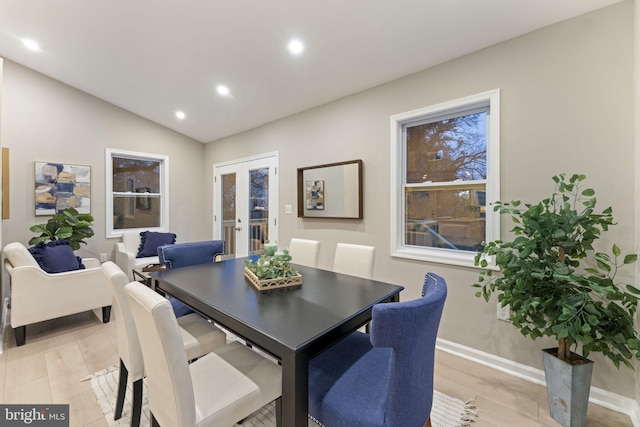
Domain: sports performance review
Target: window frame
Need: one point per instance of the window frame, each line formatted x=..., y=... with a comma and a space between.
x=398, y=248
x=164, y=189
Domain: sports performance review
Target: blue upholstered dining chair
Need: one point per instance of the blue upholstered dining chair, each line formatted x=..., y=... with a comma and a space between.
x=185, y=254
x=385, y=378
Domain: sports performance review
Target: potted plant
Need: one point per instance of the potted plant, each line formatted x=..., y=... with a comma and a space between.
x=556, y=284
x=68, y=225
x=272, y=270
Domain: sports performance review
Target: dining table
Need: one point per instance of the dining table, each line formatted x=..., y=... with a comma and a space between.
x=292, y=324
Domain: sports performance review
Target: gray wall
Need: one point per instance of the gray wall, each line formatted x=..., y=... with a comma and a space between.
x=45, y=120
x=567, y=106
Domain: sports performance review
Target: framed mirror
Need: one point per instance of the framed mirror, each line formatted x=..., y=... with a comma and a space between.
x=333, y=190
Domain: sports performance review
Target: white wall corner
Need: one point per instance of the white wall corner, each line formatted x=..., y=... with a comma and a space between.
x=635, y=415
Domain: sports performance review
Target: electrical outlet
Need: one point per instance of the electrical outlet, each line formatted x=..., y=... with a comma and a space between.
x=103, y=257
x=504, y=313
x=288, y=209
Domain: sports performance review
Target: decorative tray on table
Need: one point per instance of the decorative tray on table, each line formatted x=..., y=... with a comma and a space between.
x=274, y=269
x=263, y=285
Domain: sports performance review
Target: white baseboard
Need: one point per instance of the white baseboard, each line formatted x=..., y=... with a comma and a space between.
x=598, y=396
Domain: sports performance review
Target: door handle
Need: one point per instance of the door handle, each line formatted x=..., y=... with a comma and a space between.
x=238, y=228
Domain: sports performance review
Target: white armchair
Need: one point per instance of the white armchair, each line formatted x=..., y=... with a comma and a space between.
x=37, y=295
x=126, y=252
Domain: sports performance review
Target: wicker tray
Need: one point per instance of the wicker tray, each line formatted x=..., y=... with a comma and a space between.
x=263, y=285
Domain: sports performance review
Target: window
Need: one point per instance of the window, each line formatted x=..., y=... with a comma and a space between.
x=137, y=192
x=445, y=171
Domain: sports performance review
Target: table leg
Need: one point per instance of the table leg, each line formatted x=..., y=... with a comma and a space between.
x=295, y=389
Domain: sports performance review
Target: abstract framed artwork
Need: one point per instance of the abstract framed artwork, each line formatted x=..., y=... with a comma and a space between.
x=314, y=195
x=59, y=186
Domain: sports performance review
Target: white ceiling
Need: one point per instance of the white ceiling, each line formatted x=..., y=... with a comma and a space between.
x=153, y=57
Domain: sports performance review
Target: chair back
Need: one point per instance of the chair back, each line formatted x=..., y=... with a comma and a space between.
x=128, y=344
x=191, y=253
x=354, y=260
x=169, y=384
x=304, y=252
x=410, y=394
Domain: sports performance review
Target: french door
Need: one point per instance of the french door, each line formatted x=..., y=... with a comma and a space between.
x=245, y=204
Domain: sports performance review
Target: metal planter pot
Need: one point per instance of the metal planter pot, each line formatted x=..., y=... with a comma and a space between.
x=568, y=387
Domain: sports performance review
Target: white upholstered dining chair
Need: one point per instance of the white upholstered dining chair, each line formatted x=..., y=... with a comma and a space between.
x=198, y=335
x=218, y=389
x=304, y=251
x=354, y=260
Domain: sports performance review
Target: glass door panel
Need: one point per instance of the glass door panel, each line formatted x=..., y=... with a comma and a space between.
x=229, y=213
x=258, y=210
x=244, y=206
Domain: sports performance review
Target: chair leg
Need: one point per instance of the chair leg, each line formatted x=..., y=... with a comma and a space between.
x=106, y=314
x=137, y=403
x=154, y=422
x=122, y=389
x=21, y=335
x=279, y=412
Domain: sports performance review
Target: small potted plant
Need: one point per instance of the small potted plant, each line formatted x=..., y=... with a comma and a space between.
x=556, y=284
x=67, y=225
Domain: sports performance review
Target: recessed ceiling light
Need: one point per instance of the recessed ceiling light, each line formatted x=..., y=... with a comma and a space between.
x=31, y=45
x=180, y=115
x=296, y=47
x=223, y=90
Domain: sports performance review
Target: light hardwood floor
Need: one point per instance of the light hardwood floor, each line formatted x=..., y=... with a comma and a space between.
x=60, y=353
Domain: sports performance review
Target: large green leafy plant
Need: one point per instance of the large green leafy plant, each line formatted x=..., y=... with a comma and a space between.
x=68, y=225
x=555, y=282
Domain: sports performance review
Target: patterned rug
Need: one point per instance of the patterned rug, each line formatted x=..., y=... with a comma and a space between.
x=445, y=412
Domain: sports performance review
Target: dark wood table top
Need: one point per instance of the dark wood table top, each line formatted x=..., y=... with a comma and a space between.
x=294, y=317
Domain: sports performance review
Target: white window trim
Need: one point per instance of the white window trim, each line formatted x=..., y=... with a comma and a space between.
x=397, y=156
x=164, y=189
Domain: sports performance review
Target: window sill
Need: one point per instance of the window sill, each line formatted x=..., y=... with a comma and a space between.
x=442, y=256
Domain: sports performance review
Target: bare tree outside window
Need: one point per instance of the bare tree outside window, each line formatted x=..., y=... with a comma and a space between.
x=447, y=165
x=448, y=150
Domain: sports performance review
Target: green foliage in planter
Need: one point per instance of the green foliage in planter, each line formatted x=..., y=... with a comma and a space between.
x=68, y=225
x=272, y=267
x=555, y=282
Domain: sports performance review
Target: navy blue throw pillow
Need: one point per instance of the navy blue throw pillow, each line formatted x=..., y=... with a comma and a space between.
x=149, y=242
x=56, y=257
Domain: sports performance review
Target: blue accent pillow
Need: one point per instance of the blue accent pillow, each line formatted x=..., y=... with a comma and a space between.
x=149, y=242
x=56, y=257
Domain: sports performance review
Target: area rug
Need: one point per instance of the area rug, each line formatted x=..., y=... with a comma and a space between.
x=446, y=411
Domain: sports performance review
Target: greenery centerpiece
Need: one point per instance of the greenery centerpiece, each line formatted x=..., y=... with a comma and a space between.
x=69, y=225
x=272, y=271
x=556, y=283
x=272, y=266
